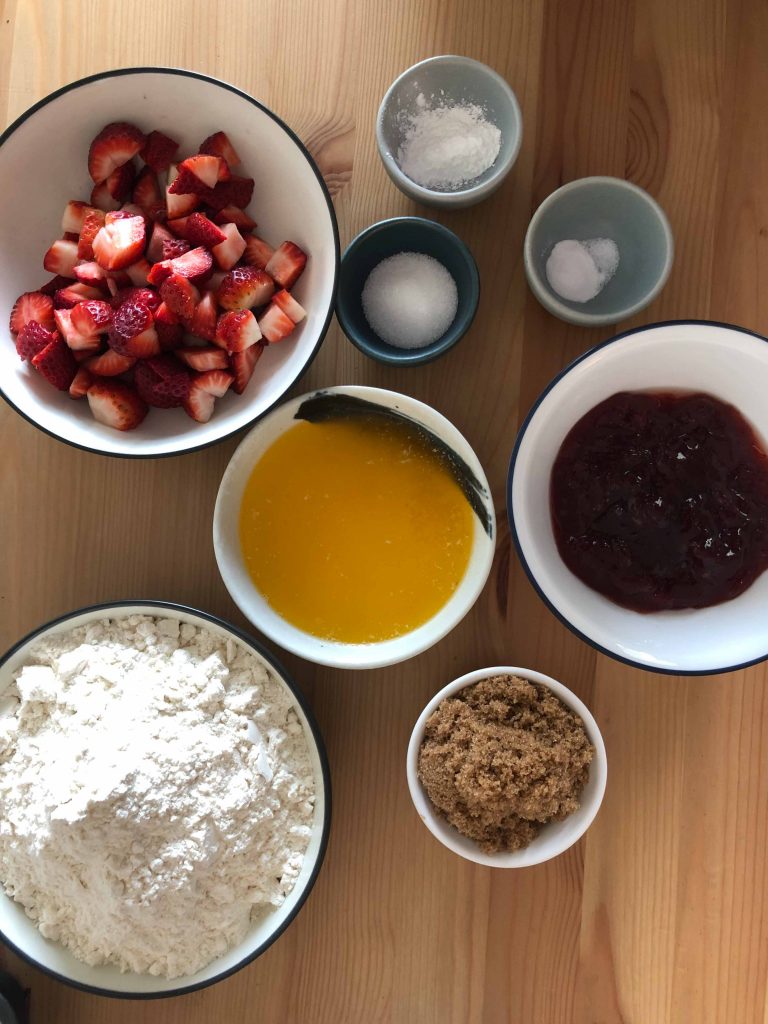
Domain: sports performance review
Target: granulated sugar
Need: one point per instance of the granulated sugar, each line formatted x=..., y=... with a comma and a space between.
x=410, y=300
x=447, y=146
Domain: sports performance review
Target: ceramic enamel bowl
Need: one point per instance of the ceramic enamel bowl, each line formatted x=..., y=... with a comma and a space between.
x=290, y=202
x=554, y=838
x=251, y=602
x=22, y=935
x=727, y=362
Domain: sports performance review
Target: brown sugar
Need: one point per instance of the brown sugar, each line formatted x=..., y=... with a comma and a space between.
x=503, y=757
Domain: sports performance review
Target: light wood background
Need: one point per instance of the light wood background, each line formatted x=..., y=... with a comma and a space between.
x=660, y=916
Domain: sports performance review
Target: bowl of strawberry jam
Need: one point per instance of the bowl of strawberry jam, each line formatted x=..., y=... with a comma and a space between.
x=638, y=497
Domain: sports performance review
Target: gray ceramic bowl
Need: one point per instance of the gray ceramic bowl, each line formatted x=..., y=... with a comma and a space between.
x=602, y=207
x=453, y=79
x=388, y=237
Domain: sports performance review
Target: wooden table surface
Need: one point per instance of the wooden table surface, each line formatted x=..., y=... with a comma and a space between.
x=660, y=914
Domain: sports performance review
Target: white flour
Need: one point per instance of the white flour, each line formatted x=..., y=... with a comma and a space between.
x=447, y=146
x=156, y=793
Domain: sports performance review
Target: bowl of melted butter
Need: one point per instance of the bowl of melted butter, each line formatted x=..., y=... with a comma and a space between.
x=354, y=526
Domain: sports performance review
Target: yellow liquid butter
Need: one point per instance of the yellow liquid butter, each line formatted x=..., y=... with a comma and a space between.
x=353, y=530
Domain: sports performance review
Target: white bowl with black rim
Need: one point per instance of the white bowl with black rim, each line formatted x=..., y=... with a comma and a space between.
x=22, y=935
x=727, y=362
x=291, y=201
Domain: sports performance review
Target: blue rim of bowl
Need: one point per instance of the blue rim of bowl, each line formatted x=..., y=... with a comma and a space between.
x=119, y=72
x=546, y=297
x=427, y=354
x=301, y=700
x=511, y=519
x=411, y=187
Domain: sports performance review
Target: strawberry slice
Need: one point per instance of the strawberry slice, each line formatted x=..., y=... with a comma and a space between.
x=274, y=324
x=61, y=258
x=234, y=192
x=205, y=389
x=159, y=235
x=237, y=330
x=120, y=182
x=202, y=231
x=193, y=264
x=175, y=247
x=257, y=252
x=120, y=243
x=74, y=338
x=109, y=364
x=146, y=190
x=92, y=223
x=116, y=404
x=233, y=215
x=158, y=151
x=228, y=252
x=56, y=363
x=114, y=146
x=138, y=272
x=33, y=338
x=80, y=383
x=74, y=216
x=178, y=205
x=203, y=322
x=286, y=264
x=132, y=331
x=92, y=317
x=242, y=365
x=289, y=305
x=31, y=306
x=198, y=174
x=66, y=298
x=180, y=295
x=202, y=359
x=244, y=288
x=218, y=144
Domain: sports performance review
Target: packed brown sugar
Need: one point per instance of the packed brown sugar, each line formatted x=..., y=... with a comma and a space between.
x=503, y=757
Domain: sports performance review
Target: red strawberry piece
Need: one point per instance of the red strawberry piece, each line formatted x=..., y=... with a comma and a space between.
x=170, y=336
x=120, y=182
x=193, y=264
x=92, y=316
x=202, y=231
x=146, y=190
x=215, y=382
x=120, y=243
x=274, y=324
x=56, y=363
x=82, y=355
x=74, y=215
x=33, y=338
x=92, y=223
x=162, y=382
x=179, y=226
x=74, y=338
x=101, y=198
x=205, y=389
x=289, y=305
x=31, y=306
x=61, y=258
x=244, y=288
x=198, y=174
x=180, y=295
x=109, y=364
x=116, y=404
x=158, y=151
x=53, y=285
x=235, y=192
x=80, y=383
x=114, y=146
x=218, y=144
x=233, y=215
x=242, y=364
x=257, y=252
x=227, y=253
x=148, y=296
x=203, y=322
x=286, y=264
x=175, y=247
x=201, y=359
x=132, y=332
x=117, y=280
x=66, y=298
x=90, y=273
x=237, y=330
x=159, y=235
x=164, y=315
x=138, y=272
x=179, y=205
x=126, y=212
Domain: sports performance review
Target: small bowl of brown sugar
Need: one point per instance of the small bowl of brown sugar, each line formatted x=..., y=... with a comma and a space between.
x=506, y=767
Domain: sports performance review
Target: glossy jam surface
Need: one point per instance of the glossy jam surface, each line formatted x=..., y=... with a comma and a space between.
x=353, y=530
x=660, y=501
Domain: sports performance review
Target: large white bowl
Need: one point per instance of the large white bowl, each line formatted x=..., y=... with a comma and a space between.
x=554, y=838
x=226, y=541
x=22, y=934
x=688, y=355
x=290, y=202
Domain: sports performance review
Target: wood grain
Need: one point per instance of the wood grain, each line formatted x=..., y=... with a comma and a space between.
x=659, y=915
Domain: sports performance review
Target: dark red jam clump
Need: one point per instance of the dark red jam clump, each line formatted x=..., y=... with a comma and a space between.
x=660, y=501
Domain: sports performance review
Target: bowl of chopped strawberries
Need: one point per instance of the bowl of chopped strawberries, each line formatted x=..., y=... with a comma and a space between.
x=170, y=274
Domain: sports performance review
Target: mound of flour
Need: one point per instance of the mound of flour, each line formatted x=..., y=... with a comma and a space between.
x=156, y=793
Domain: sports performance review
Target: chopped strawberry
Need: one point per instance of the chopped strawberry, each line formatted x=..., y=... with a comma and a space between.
x=61, y=258
x=126, y=212
x=193, y=264
x=138, y=272
x=132, y=332
x=73, y=337
x=74, y=215
x=242, y=365
x=90, y=273
x=92, y=223
x=233, y=215
x=180, y=295
x=33, y=338
x=175, y=247
x=202, y=359
x=158, y=151
x=117, y=280
x=31, y=306
x=114, y=146
x=169, y=335
x=120, y=182
x=101, y=198
x=66, y=298
x=82, y=355
x=286, y=264
x=92, y=316
x=289, y=305
x=244, y=288
x=116, y=404
x=109, y=364
x=139, y=293
x=215, y=382
x=274, y=324
x=52, y=286
x=203, y=322
x=160, y=234
x=56, y=363
x=119, y=244
x=205, y=389
x=179, y=226
x=202, y=231
x=178, y=205
x=237, y=330
x=218, y=144
x=162, y=381
x=80, y=383
x=198, y=174
x=227, y=253
x=257, y=252
x=164, y=315
x=146, y=190
x=235, y=192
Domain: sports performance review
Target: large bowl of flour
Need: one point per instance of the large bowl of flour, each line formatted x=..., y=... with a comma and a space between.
x=164, y=799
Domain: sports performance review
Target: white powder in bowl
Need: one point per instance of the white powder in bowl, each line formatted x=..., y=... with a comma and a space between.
x=447, y=146
x=410, y=300
x=156, y=793
x=578, y=271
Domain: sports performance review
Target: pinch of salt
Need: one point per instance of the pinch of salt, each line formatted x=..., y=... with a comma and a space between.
x=578, y=271
x=409, y=300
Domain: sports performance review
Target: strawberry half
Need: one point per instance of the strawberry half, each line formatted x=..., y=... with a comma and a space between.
x=56, y=363
x=218, y=144
x=257, y=252
x=33, y=338
x=205, y=389
x=202, y=231
x=92, y=316
x=80, y=383
x=228, y=252
x=242, y=365
x=109, y=364
x=286, y=264
x=132, y=331
x=244, y=288
x=158, y=151
x=203, y=322
x=120, y=243
x=61, y=258
x=202, y=359
x=274, y=324
x=162, y=382
x=115, y=145
x=31, y=306
x=289, y=305
x=237, y=331
x=116, y=404
x=180, y=295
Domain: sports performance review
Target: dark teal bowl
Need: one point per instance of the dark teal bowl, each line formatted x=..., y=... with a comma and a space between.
x=387, y=238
